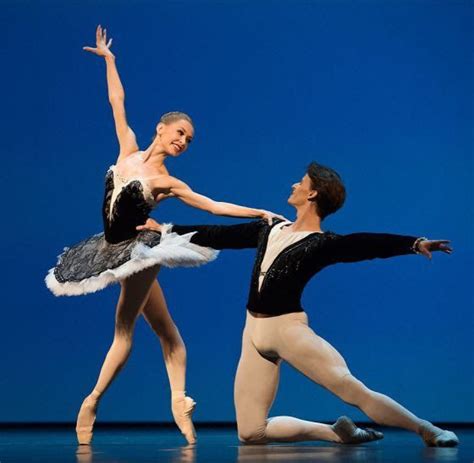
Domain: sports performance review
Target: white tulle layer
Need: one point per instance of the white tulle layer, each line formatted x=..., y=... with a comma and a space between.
x=173, y=251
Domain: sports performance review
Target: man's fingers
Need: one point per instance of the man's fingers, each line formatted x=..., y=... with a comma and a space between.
x=442, y=245
x=425, y=252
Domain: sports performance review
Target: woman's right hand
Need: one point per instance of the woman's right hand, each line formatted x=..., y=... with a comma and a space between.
x=102, y=46
x=150, y=224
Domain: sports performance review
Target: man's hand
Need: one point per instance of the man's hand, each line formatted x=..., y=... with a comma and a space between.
x=426, y=247
x=150, y=224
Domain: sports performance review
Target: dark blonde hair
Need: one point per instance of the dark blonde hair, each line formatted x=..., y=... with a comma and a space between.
x=173, y=116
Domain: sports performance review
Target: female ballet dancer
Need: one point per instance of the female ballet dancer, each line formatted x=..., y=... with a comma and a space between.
x=133, y=187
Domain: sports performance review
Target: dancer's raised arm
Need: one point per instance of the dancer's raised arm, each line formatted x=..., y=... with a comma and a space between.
x=125, y=135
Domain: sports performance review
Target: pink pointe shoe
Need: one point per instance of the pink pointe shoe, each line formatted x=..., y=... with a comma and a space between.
x=183, y=408
x=85, y=421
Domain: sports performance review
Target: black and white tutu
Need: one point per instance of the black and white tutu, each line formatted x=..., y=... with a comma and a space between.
x=120, y=250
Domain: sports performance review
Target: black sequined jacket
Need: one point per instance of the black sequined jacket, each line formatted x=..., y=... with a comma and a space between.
x=286, y=278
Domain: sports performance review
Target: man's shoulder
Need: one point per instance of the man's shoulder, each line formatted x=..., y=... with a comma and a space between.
x=318, y=240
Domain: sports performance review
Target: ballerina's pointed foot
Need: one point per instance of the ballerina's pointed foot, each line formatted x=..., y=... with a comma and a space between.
x=349, y=433
x=183, y=409
x=437, y=437
x=85, y=421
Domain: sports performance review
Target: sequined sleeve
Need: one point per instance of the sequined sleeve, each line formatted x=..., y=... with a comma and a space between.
x=240, y=236
x=364, y=246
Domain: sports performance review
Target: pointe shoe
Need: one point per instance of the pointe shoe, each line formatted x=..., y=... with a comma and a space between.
x=85, y=421
x=183, y=409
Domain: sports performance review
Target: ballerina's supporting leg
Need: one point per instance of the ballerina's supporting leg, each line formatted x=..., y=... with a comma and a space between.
x=174, y=352
x=133, y=295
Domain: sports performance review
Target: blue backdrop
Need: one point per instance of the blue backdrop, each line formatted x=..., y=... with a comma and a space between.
x=381, y=91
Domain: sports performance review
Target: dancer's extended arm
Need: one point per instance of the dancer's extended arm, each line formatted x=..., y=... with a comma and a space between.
x=365, y=246
x=240, y=236
x=171, y=186
x=125, y=135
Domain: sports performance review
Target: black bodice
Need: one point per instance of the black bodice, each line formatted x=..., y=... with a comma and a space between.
x=129, y=209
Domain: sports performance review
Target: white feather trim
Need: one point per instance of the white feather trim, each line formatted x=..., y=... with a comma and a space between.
x=173, y=251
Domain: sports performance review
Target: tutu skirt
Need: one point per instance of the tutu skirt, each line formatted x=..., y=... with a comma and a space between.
x=94, y=263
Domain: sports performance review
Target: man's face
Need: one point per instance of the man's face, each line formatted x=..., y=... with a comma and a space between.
x=302, y=192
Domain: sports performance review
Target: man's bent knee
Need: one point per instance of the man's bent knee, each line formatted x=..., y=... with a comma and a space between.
x=252, y=435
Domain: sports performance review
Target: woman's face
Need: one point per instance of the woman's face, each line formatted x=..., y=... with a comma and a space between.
x=176, y=136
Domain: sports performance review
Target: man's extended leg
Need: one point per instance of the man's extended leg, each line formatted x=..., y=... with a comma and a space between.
x=319, y=361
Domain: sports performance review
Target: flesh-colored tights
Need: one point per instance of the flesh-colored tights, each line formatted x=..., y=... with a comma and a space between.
x=146, y=298
x=141, y=294
x=268, y=341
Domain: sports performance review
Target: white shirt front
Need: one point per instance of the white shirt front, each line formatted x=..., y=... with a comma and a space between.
x=279, y=239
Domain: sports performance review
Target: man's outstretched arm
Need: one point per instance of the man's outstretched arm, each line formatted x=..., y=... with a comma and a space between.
x=240, y=236
x=365, y=246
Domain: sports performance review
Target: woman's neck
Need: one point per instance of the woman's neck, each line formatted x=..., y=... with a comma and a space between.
x=154, y=155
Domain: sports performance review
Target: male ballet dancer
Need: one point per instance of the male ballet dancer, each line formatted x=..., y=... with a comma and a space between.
x=288, y=255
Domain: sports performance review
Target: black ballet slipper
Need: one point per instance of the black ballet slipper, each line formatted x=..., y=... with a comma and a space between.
x=349, y=433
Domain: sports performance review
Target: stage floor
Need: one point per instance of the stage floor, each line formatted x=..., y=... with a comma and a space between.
x=153, y=445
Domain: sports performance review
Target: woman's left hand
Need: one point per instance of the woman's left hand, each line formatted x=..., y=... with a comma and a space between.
x=426, y=247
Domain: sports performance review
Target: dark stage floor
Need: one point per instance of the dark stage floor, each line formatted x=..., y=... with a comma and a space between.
x=129, y=445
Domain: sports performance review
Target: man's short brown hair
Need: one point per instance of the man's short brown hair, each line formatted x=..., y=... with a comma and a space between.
x=331, y=190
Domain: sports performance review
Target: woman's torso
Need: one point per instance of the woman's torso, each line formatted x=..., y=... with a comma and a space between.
x=130, y=195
